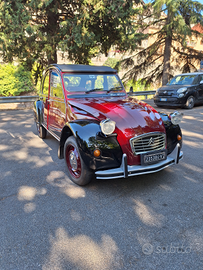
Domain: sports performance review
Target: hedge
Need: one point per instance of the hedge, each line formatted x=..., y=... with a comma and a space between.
x=15, y=80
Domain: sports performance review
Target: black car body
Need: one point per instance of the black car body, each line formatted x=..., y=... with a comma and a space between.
x=184, y=90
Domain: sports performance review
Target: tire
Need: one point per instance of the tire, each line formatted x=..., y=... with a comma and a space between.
x=77, y=170
x=42, y=132
x=190, y=102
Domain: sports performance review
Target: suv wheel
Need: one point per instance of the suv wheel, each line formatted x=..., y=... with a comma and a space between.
x=190, y=102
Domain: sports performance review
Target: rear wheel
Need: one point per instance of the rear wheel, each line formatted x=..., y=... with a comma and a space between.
x=190, y=102
x=77, y=170
x=42, y=133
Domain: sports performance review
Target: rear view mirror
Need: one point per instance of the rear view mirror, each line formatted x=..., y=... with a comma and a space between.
x=131, y=89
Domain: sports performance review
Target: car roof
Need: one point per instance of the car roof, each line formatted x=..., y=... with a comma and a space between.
x=192, y=73
x=84, y=68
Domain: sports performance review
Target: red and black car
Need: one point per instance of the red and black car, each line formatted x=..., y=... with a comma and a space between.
x=102, y=132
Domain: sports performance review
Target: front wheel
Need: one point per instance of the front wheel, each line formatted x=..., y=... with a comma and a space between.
x=77, y=170
x=190, y=102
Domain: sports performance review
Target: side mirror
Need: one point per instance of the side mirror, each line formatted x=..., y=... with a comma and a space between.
x=131, y=89
x=201, y=82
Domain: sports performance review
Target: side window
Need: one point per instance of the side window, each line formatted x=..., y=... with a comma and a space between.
x=56, y=86
x=201, y=77
x=45, y=87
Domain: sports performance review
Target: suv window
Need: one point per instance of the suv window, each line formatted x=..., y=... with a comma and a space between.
x=201, y=77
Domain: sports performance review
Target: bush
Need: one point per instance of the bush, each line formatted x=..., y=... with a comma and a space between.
x=15, y=80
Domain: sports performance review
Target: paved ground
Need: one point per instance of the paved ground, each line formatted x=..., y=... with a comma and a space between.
x=47, y=222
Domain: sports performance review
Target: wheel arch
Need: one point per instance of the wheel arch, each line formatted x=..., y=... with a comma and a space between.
x=39, y=111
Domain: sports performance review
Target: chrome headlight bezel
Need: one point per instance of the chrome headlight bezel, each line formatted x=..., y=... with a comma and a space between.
x=107, y=126
x=176, y=117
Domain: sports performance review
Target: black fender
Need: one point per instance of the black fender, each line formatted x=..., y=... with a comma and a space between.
x=172, y=132
x=89, y=137
x=39, y=111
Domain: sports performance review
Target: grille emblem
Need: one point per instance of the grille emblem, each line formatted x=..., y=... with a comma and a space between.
x=151, y=141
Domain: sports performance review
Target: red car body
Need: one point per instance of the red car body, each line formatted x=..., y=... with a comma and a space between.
x=76, y=101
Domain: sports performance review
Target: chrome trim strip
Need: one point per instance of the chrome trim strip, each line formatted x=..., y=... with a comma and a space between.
x=140, y=169
x=54, y=135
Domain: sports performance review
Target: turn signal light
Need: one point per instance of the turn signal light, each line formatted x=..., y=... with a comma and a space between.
x=179, y=138
x=97, y=152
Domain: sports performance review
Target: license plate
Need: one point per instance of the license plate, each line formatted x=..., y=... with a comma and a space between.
x=163, y=99
x=153, y=157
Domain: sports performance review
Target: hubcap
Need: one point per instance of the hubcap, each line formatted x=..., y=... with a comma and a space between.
x=73, y=161
x=190, y=102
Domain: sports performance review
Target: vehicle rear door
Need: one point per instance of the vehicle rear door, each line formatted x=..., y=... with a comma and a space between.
x=57, y=105
x=44, y=96
x=200, y=88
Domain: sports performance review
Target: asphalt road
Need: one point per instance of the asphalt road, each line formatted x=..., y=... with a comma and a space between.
x=46, y=222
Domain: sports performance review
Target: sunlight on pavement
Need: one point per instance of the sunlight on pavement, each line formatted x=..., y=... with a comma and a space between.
x=26, y=193
x=80, y=250
x=192, y=134
x=74, y=192
x=147, y=215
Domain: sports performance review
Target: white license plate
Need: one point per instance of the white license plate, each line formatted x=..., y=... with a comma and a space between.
x=153, y=158
x=163, y=99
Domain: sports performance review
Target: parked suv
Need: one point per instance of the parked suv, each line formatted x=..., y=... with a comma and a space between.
x=102, y=132
x=184, y=90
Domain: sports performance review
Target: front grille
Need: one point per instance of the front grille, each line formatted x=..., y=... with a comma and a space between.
x=148, y=142
x=166, y=93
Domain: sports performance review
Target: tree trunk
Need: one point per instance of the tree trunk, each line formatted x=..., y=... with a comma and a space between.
x=167, y=50
x=167, y=56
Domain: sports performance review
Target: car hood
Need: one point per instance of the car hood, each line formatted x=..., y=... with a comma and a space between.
x=172, y=87
x=132, y=117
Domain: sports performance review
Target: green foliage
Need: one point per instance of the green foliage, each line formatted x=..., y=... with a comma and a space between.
x=14, y=80
x=33, y=31
x=173, y=20
x=113, y=63
x=139, y=85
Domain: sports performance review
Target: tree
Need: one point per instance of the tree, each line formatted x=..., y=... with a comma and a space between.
x=174, y=20
x=33, y=30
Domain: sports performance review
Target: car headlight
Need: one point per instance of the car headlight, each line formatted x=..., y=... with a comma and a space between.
x=176, y=117
x=107, y=126
x=182, y=90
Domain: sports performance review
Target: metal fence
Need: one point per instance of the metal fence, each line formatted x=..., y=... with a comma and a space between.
x=21, y=99
x=18, y=99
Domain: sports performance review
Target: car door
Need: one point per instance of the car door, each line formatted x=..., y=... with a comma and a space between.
x=44, y=96
x=200, y=88
x=57, y=105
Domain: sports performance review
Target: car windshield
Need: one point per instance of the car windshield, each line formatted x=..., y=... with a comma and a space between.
x=182, y=80
x=91, y=82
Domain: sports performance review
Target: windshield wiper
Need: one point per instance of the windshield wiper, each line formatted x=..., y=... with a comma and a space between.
x=98, y=89
x=95, y=89
x=115, y=88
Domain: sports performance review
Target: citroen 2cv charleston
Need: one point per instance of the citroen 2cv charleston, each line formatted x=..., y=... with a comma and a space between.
x=103, y=132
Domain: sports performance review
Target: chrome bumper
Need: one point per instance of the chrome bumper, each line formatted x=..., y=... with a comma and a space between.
x=125, y=170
